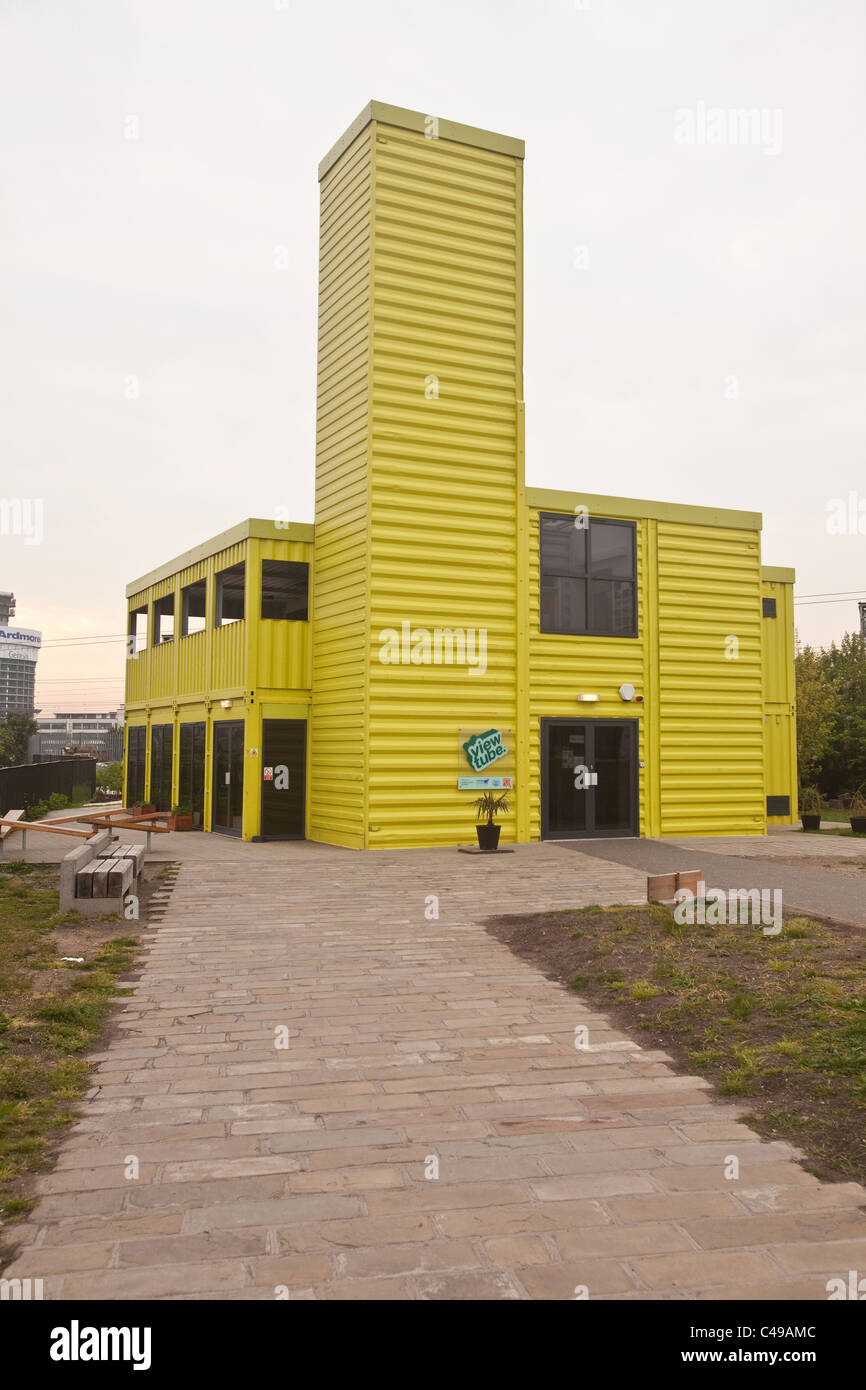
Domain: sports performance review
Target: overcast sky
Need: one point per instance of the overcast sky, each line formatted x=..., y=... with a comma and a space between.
x=694, y=309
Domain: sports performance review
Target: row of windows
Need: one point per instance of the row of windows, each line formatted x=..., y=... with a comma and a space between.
x=588, y=586
x=285, y=596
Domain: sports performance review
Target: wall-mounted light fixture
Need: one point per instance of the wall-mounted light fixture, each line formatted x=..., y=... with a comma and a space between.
x=589, y=699
x=226, y=704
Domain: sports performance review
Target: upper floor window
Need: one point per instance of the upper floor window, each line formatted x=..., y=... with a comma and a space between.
x=230, y=595
x=137, y=631
x=193, y=600
x=285, y=585
x=163, y=619
x=588, y=576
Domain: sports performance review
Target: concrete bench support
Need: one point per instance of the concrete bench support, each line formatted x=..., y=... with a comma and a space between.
x=96, y=876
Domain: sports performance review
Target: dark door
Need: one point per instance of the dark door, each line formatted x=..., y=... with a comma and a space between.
x=161, y=747
x=228, y=776
x=190, y=790
x=284, y=765
x=588, y=778
x=136, y=749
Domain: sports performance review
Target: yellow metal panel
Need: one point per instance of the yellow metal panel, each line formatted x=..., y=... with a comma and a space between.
x=710, y=695
x=337, y=732
x=444, y=471
x=227, y=669
x=283, y=648
x=562, y=665
x=550, y=500
x=192, y=665
x=780, y=731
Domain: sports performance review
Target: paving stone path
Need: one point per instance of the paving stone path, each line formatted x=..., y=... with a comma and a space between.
x=415, y=1044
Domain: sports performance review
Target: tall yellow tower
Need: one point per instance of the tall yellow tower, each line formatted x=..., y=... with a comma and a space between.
x=420, y=572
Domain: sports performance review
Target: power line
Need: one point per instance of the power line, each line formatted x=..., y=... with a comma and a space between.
x=808, y=603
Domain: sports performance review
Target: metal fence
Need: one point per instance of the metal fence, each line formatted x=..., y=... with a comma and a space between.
x=21, y=787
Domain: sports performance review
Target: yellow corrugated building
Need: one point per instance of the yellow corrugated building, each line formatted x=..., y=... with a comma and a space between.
x=629, y=662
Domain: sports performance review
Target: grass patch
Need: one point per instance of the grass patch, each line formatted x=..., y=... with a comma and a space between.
x=51, y=1013
x=779, y=1021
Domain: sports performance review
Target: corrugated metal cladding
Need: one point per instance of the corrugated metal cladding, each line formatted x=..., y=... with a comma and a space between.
x=710, y=697
x=338, y=723
x=780, y=732
x=561, y=666
x=214, y=662
x=425, y=559
x=446, y=378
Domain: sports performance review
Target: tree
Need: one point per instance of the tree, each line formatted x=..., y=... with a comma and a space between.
x=15, y=731
x=845, y=758
x=110, y=777
x=816, y=701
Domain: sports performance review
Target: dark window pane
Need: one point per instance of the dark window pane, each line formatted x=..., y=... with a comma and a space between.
x=769, y=608
x=563, y=546
x=284, y=589
x=611, y=551
x=230, y=595
x=612, y=608
x=563, y=604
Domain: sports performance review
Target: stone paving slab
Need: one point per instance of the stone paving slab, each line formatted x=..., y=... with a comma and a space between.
x=827, y=884
x=430, y=1130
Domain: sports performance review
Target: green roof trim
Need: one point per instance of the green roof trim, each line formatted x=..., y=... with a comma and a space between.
x=404, y=119
x=546, y=499
x=259, y=528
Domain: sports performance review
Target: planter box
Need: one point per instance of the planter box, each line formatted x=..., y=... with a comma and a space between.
x=811, y=822
x=488, y=836
x=180, y=823
x=858, y=824
x=147, y=810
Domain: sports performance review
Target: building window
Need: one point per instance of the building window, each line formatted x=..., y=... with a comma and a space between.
x=285, y=585
x=588, y=576
x=193, y=601
x=137, y=631
x=769, y=611
x=230, y=595
x=163, y=619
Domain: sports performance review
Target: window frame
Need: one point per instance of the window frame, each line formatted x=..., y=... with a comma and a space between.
x=157, y=638
x=184, y=607
x=290, y=618
x=218, y=620
x=587, y=576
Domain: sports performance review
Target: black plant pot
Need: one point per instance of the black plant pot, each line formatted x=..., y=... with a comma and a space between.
x=811, y=822
x=488, y=836
x=858, y=824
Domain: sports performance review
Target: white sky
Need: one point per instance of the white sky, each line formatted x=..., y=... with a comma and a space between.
x=154, y=258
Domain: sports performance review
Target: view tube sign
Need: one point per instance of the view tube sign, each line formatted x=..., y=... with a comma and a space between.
x=484, y=749
x=489, y=750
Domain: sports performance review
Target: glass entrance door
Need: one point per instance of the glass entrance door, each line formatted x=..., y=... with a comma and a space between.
x=191, y=770
x=228, y=776
x=588, y=778
x=283, y=777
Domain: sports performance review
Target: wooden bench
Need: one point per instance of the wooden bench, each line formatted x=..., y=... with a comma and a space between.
x=6, y=829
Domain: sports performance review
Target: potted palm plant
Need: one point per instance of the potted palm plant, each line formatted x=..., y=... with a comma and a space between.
x=857, y=811
x=810, y=809
x=181, y=817
x=487, y=807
